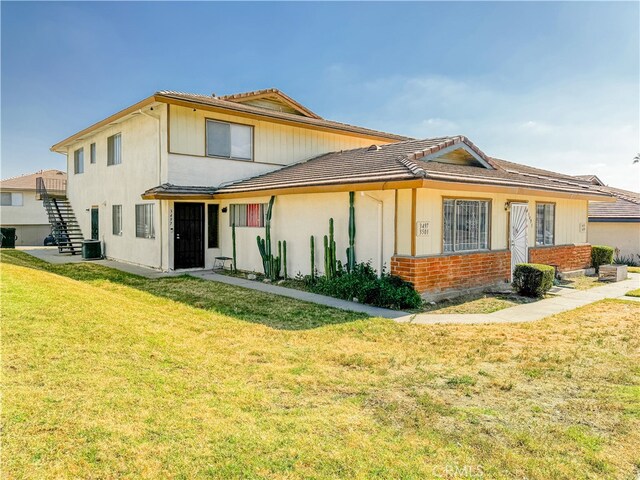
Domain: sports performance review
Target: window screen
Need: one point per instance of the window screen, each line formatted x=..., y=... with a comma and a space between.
x=114, y=149
x=229, y=140
x=144, y=221
x=545, y=223
x=213, y=220
x=78, y=161
x=116, y=218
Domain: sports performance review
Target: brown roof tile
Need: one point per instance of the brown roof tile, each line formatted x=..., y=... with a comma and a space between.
x=626, y=206
x=405, y=161
x=28, y=180
x=240, y=107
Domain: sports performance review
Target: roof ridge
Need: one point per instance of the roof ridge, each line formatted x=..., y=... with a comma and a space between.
x=413, y=167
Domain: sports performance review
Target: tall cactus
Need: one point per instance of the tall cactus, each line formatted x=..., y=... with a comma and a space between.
x=270, y=263
x=312, y=243
x=233, y=241
x=284, y=257
x=351, y=250
x=330, y=253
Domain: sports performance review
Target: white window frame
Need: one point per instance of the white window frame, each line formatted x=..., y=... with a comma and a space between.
x=454, y=246
x=78, y=161
x=547, y=206
x=239, y=213
x=145, y=227
x=116, y=220
x=231, y=126
x=114, y=150
x=16, y=199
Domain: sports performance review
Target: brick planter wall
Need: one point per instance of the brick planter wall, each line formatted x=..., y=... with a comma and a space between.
x=566, y=257
x=453, y=272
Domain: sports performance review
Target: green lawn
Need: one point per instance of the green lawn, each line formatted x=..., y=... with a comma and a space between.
x=634, y=293
x=107, y=375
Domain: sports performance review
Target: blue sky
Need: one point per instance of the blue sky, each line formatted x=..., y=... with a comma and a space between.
x=554, y=85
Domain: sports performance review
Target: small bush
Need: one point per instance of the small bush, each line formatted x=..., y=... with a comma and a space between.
x=630, y=261
x=364, y=285
x=533, y=279
x=601, y=255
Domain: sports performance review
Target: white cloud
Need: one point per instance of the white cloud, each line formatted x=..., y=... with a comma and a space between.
x=577, y=127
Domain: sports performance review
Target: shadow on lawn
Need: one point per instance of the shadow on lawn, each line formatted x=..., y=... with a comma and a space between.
x=271, y=310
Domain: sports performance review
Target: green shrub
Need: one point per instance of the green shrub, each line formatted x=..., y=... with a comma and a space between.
x=601, y=255
x=364, y=285
x=533, y=279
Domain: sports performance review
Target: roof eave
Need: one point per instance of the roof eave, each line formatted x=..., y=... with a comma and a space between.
x=59, y=147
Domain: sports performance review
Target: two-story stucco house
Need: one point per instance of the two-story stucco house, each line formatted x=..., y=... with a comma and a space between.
x=21, y=208
x=167, y=177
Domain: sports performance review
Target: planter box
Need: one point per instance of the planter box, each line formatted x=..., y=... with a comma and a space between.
x=613, y=273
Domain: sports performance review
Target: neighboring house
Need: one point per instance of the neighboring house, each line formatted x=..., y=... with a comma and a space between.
x=21, y=208
x=615, y=224
x=166, y=178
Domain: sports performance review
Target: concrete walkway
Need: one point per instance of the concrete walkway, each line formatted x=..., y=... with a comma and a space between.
x=300, y=295
x=530, y=312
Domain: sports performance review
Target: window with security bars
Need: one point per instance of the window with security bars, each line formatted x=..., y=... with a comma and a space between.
x=545, y=223
x=144, y=221
x=466, y=225
x=116, y=219
x=247, y=214
x=114, y=149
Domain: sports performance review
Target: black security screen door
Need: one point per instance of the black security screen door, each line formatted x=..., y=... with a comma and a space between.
x=188, y=235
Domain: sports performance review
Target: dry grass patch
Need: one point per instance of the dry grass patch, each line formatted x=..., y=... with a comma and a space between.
x=106, y=380
x=633, y=293
x=477, y=303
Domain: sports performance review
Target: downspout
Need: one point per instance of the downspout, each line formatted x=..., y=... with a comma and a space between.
x=157, y=118
x=380, y=230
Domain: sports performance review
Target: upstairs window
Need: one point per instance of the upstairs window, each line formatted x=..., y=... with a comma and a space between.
x=247, y=214
x=466, y=225
x=545, y=223
x=116, y=219
x=144, y=221
x=92, y=153
x=78, y=161
x=229, y=140
x=11, y=199
x=114, y=149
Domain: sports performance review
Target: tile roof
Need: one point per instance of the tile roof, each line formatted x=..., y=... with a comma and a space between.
x=626, y=206
x=406, y=161
x=270, y=92
x=28, y=180
x=168, y=190
x=241, y=107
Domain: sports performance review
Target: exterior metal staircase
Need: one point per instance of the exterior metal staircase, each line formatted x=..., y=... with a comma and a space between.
x=64, y=226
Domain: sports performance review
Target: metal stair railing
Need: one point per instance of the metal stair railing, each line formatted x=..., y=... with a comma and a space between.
x=58, y=219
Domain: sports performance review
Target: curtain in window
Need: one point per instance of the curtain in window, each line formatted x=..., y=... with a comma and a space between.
x=144, y=221
x=116, y=211
x=114, y=150
x=545, y=223
x=247, y=215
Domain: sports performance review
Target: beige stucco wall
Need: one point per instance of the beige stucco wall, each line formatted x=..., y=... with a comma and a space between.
x=32, y=212
x=274, y=145
x=144, y=165
x=623, y=236
x=297, y=217
x=571, y=218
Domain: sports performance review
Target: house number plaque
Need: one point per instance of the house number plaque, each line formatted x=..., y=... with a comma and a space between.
x=422, y=229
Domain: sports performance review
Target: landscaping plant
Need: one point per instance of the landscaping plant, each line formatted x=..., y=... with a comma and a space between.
x=270, y=264
x=351, y=250
x=601, y=255
x=533, y=279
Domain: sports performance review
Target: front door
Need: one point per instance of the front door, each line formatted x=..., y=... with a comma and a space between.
x=95, y=224
x=519, y=228
x=188, y=240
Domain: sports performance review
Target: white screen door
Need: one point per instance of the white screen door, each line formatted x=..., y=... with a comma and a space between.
x=519, y=227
